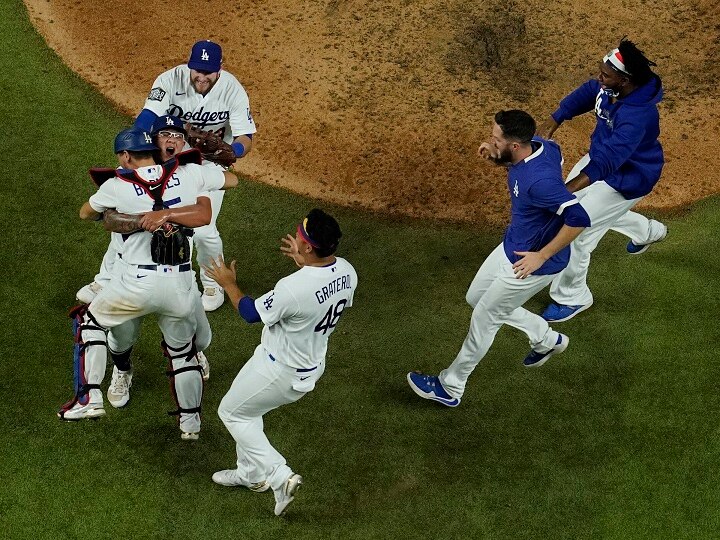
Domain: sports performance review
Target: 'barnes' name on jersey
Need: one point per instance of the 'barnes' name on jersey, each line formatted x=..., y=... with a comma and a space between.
x=334, y=286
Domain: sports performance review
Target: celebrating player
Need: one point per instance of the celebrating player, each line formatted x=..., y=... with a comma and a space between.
x=545, y=218
x=169, y=136
x=299, y=315
x=623, y=165
x=203, y=95
x=140, y=285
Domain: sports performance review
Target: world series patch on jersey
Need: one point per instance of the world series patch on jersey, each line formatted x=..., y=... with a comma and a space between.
x=303, y=310
x=224, y=110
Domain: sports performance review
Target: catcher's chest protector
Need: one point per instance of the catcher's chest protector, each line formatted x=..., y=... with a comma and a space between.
x=170, y=244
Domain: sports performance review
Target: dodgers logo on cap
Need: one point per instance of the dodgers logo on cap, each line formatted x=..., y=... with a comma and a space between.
x=167, y=121
x=205, y=55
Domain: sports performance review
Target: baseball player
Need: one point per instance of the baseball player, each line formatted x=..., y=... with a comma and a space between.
x=623, y=165
x=169, y=136
x=203, y=95
x=545, y=218
x=139, y=285
x=299, y=314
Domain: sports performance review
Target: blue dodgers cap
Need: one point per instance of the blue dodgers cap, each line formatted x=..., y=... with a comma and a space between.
x=167, y=121
x=134, y=140
x=205, y=56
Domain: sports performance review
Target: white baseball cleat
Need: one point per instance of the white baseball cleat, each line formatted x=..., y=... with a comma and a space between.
x=186, y=436
x=204, y=364
x=118, y=393
x=232, y=478
x=78, y=412
x=88, y=293
x=286, y=494
x=212, y=298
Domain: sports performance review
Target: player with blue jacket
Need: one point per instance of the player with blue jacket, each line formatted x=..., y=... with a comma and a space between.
x=545, y=218
x=623, y=165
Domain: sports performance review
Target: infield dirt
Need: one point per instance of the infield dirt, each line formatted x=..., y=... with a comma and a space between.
x=383, y=104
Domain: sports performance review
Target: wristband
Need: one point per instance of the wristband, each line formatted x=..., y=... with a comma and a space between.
x=238, y=148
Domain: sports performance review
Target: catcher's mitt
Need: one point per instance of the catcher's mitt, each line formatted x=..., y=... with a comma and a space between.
x=212, y=147
x=170, y=244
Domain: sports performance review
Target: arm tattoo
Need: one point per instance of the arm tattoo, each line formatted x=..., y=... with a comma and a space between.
x=115, y=221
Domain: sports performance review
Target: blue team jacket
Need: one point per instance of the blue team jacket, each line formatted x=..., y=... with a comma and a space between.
x=538, y=198
x=624, y=148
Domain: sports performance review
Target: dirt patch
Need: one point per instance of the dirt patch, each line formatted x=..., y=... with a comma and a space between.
x=382, y=104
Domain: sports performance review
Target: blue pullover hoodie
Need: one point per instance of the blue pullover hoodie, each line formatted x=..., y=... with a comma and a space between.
x=624, y=148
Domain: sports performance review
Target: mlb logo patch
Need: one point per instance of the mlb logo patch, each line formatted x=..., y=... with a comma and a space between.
x=156, y=94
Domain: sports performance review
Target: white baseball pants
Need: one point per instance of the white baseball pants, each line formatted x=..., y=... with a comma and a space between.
x=262, y=385
x=132, y=293
x=207, y=241
x=607, y=209
x=496, y=297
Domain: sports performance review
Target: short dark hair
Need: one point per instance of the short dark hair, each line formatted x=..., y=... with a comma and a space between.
x=143, y=154
x=517, y=125
x=324, y=230
x=636, y=63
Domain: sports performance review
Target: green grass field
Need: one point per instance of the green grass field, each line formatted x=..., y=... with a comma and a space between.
x=616, y=438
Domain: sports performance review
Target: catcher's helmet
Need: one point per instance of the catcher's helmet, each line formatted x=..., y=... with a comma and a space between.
x=134, y=140
x=167, y=121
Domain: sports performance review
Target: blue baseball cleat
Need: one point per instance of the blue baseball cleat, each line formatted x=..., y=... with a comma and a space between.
x=429, y=387
x=537, y=359
x=560, y=313
x=637, y=249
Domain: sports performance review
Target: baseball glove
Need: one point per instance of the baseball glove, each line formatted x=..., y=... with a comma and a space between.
x=170, y=244
x=212, y=147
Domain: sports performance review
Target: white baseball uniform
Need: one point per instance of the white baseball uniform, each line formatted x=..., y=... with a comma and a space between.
x=225, y=110
x=299, y=315
x=139, y=286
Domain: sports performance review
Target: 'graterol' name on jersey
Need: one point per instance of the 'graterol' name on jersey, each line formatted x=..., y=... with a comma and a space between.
x=200, y=117
x=339, y=284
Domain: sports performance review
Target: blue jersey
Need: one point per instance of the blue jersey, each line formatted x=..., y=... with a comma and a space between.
x=624, y=148
x=538, y=197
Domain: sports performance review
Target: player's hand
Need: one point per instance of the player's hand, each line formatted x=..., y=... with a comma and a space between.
x=531, y=261
x=219, y=272
x=152, y=221
x=547, y=128
x=487, y=151
x=290, y=249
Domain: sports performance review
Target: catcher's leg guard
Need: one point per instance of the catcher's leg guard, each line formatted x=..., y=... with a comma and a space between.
x=89, y=357
x=186, y=385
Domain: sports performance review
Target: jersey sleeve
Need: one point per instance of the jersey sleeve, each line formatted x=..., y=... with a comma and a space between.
x=551, y=194
x=241, y=120
x=212, y=177
x=158, y=100
x=578, y=102
x=105, y=197
x=353, y=276
x=276, y=305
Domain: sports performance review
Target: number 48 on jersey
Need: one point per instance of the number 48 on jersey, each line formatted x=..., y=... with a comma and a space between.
x=331, y=318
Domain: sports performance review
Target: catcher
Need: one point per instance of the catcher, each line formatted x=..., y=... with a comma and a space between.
x=149, y=275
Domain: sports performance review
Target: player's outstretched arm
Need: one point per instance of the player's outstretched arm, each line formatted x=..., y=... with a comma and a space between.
x=193, y=215
x=226, y=277
x=547, y=128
